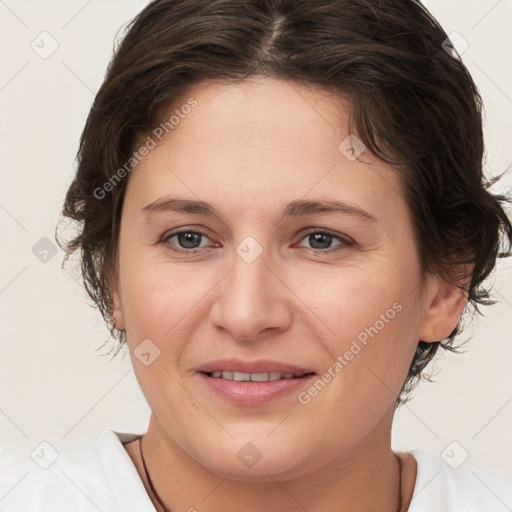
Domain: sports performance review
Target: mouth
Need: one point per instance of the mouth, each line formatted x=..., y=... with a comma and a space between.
x=253, y=383
x=255, y=377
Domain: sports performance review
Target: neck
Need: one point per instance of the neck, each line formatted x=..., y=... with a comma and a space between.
x=366, y=478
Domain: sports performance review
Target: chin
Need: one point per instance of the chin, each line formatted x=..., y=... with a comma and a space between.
x=259, y=460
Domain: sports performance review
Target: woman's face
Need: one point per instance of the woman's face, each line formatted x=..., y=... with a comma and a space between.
x=296, y=258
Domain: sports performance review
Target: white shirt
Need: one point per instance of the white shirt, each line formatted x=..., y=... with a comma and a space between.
x=100, y=476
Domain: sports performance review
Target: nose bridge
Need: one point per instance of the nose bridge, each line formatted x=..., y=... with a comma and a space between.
x=250, y=300
x=250, y=287
x=250, y=274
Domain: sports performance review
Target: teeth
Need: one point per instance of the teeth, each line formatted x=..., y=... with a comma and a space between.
x=241, y=376
x=255, y=377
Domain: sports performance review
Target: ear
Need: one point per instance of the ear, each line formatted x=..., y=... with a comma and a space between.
x=445, y=302
x=117, y=313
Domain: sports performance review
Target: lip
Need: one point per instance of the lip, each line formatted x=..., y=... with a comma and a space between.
x=256, y=366
x=251, y=393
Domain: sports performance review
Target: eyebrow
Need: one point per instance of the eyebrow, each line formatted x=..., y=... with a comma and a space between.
x=293, y=209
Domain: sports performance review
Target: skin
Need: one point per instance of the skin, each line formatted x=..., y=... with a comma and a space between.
x=248, y=149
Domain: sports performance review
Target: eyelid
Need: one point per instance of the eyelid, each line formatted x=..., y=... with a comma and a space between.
x=344, y=240
x=326, y=231
x=169, y=234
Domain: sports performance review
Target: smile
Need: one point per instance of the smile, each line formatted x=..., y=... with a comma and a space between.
x=254, y=377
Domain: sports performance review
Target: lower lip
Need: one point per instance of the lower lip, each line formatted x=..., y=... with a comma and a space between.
x=254, y=393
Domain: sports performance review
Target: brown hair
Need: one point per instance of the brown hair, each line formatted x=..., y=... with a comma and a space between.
x=415, y=106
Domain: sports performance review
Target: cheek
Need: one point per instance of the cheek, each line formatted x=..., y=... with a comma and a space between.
x=157, y=296
x=372, y=326
x=349, y=300
x=161, y=303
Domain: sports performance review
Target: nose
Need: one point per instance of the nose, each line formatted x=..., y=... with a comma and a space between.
x=252, y=302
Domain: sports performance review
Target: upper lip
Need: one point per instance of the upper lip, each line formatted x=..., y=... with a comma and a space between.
x=257, y=366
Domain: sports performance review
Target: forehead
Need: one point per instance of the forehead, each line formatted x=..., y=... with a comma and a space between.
x=261, y=142
x=268, y=117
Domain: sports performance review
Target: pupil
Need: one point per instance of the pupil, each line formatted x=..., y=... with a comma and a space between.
x=188, y=240
x=322, y=239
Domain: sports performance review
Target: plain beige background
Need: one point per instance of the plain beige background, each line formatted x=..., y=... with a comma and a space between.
x=55, y=383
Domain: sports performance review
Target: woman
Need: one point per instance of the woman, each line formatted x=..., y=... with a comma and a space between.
x=282, y=214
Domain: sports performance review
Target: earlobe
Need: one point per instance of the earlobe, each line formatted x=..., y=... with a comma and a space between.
x=117, y=313
x=445, y=303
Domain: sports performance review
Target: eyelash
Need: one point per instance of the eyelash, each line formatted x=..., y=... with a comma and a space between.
x=345, y=240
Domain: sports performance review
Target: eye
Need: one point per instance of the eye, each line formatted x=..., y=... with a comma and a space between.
x=191, y=241
x=322, y=241
x=186, y=240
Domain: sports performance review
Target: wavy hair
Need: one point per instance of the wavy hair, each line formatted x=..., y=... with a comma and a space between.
x=415, y=106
